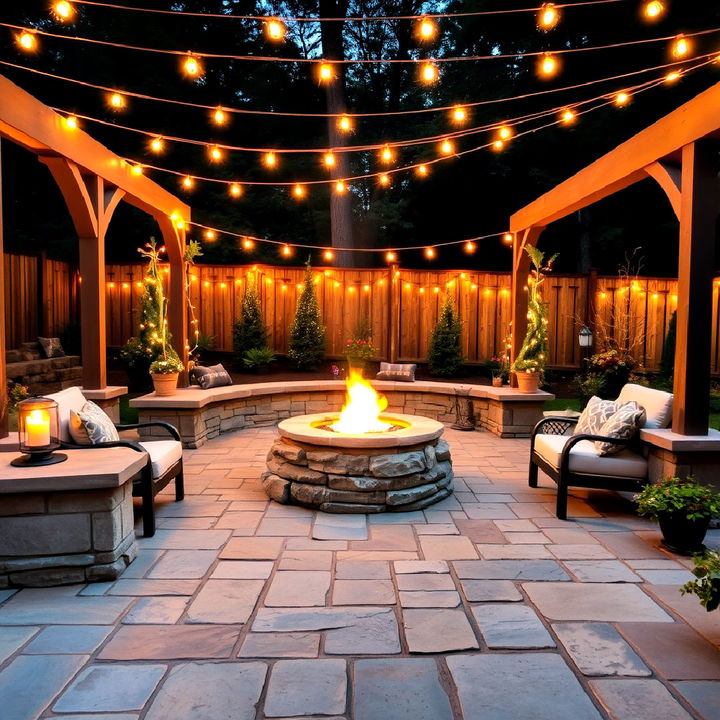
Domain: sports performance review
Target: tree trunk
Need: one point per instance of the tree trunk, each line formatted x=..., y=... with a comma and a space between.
x=341, y=220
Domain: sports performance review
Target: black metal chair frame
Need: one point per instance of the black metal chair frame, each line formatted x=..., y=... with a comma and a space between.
x=143, y=485
x=563, y=476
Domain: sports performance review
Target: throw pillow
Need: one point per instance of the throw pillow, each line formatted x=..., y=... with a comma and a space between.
x=210, y=377
x=623, y=424
x=397, y=371
x=51, y=347
x=91, y=425
x=595, y=415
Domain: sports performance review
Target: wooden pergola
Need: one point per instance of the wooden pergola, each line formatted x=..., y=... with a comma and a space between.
x=93, y=181
x=680, y=152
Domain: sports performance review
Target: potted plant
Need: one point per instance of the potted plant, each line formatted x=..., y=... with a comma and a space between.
x=529, y=364
x=16, y=393
x=359, y=351
x=683, y=508
x=499, y=369
x=707, y=585
x=165, y=372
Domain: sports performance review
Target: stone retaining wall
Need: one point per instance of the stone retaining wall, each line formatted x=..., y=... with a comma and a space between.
x=511, y=419
x=46, y=375
x=59, y=538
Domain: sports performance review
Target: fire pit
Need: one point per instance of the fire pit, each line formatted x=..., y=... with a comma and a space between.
x=360, y=461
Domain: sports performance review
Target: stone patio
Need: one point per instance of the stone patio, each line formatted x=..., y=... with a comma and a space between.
x=484, y=606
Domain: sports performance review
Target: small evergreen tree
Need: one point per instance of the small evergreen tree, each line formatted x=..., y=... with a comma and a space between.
x=249, y=330
x=667, y=362
x=307, y=335
x=445, y=356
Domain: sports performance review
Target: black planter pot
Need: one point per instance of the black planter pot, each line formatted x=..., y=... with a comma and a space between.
x=683, y=536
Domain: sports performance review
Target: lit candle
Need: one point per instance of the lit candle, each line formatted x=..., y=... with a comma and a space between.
x=37, y=426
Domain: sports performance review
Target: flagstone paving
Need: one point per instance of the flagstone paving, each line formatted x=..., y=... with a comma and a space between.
x=483, y=606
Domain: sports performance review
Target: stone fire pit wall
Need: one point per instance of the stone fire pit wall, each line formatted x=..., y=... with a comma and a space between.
x=342, y=480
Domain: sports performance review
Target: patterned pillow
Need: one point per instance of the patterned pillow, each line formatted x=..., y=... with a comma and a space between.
x=396, y=371
x=51, y=347
x=595, y=415
x=210, y=377
x=624, y=424
x=91, y=425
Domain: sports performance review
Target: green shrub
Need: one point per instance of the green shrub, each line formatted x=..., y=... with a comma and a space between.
x=307, y=335
x=445, y=356
x=258, y=358
x=707, y=585
x=667, y=362
x=672, y=495
x=249, y=330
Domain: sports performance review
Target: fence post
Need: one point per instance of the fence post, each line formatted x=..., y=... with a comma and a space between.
x=590, y=297
x=393, y=312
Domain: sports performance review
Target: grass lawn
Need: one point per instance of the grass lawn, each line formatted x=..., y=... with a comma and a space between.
x=574, y=404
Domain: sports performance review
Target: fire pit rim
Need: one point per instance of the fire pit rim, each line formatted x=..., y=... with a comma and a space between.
x=302, y=428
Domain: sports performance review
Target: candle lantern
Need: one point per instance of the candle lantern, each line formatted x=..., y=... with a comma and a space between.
x=38, y=430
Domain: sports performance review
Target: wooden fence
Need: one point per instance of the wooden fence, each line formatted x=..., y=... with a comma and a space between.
x=401, y=311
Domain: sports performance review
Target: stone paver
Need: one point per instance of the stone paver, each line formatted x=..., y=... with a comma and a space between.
x=157, y=611
x=352, y=570
x=429, y=599
x=638, y=699
x=183, y=564
x=304, y=687
x=401, y=689
x=510, y=570
x=438, y=630
x=601, y=571
x=490, y=591
x=66, y=639
x=13, y=638
x=298, y=588
x=225, y=601
x=279, y=645
x=266, y=548
x=363, y=592
x=599, y=649
x=511, y=626
x=110, y=688
x=509, y=686
x=212, y=691
x=702, y=695
x=240, y=570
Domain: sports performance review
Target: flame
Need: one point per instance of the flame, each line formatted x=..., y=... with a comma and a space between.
x=361, y=412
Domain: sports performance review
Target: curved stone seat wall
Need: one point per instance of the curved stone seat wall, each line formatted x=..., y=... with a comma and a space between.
x=201, y=415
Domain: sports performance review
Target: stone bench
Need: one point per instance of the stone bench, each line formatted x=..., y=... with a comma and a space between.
x=201, y=415
x=67, y=523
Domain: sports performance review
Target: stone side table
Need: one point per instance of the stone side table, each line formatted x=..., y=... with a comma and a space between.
x=68, y=523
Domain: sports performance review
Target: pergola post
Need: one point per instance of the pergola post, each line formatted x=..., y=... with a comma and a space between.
x=699, y=205
x=3, y=370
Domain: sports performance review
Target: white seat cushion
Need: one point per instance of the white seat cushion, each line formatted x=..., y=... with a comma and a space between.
x=584, y=459
x=658, y=404
x=69, y=399
x=163, y=455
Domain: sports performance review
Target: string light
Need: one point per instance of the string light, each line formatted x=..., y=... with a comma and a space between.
x=548, y=17
x=157, y=145
x=390, y=256
x=286, y=252
x=188, y=183
x=458, y=115
x=508, y=238
x=117, y=101
x=325, y=73
x=505, y=132
x=426, y=29
x=299, y=192
x=329, y=160
x=498, y=145
x=384, y=179
x=235, y=190
x=64, y=11
x=275, y=29
x=192, y=67
x=328, y=255
x=27, y=41
x=340, y=187
x=568, y=116
x=210, y=235
x=430, y=253
x=653, y=10
x=71, y=122
x=248, y=244
x=136, y=169
x=219, y=116
x=447, y=147
x=216, y=154
x=680, y=47
x=387, y=155
x=429, y=73
x=470, y=247
x=548, y=65
x=422, y=170
x=622, y=99
x=345, y=124
x=270, y=160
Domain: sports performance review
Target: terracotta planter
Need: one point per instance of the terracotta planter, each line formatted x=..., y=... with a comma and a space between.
x=683, y=536
x=165, y=383
x=497, y=382
x=527, y=382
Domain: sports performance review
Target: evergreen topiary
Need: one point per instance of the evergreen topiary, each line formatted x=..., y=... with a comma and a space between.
x=445, y=356
x=307, y=335
x=249, y=330
x=667, y=362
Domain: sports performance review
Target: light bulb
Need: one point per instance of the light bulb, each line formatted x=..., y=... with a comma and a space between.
x=422, y=170
x=498, y=145
x=567, y=116
x=429, y=73
x=188, y=183
x=299, y=191
x=387, y=155
x=192, y=66
x=681, y=47
x=117, y=101
x=458, y=115
x=548, y=17
x=426, y=29
x=505, y=132
x=216, y=154
x=329, y=160
x=672, y=77
x=548, y=65
x=390, y=256
x=470, y=247
x=653, y=10
x=247, y=244
x=235, y=190
x=71, y=122
x=384, y=179
x=446, y=147
x=157, y=145
x=64, y=11
x=340, y=187
x=325, y=72
x=210, y=235
x=430, y=253
x=286, y=252
x=27, y=41
x=328, y=255
x=270, y=160
x=508, y=238
x=136, y=169
x=219, y=116
x=275, y=29
x=622, y=98
x=345, y=124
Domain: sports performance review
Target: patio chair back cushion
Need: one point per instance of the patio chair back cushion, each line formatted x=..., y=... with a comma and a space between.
x=624, y=425
x=657, y=403
x=92, y=425
x=69, y=399
x=163, y=455
x=595, y=415
x=584, y=458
